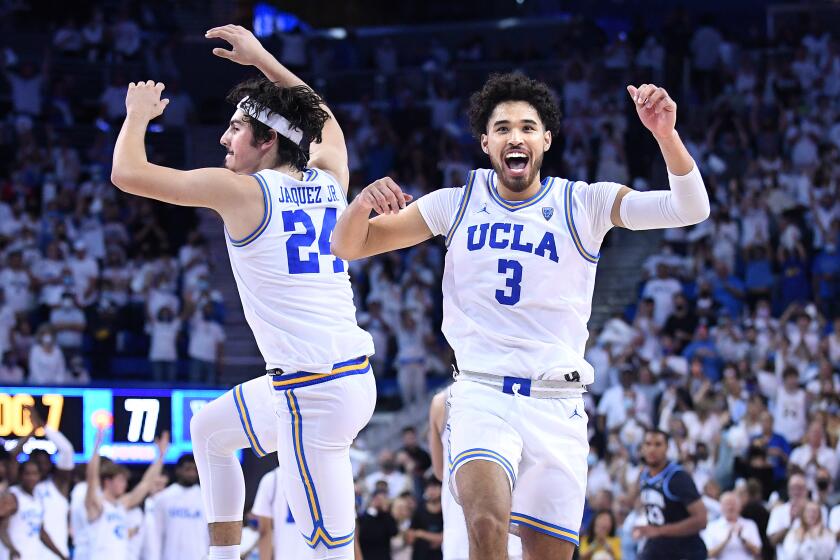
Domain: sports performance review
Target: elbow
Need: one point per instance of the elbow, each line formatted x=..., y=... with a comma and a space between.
x=120, y=178
x=341, y=251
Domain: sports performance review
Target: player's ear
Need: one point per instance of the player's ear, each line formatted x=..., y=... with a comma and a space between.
x=547, y=139
x=484, y=144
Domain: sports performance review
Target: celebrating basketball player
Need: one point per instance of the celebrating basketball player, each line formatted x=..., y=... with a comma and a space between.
x=517, y=294
x=279, y=194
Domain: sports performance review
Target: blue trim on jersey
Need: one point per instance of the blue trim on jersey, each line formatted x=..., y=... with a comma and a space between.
x=462, y=207
x=545, y=527
x=319, y=532
x=647, y=479
x=265, y=219
x=667, y=481
x=245, y=419
x=570, y=222
x=485, y=454
x=514, y=205
x=286, y=381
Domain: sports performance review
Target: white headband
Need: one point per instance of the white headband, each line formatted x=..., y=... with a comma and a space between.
x=274, y=121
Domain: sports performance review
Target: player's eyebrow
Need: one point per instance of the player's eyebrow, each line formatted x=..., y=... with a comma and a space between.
x=236, y=121
x=523, y=121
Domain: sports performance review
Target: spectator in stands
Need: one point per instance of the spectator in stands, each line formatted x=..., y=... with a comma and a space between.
x=205, y=346
x=732, y=537
x=397, y=482
x=113, y=99
x=810, y=539
x=77, y=373
x=28, y=87
x=663, y=290
x=790, y=410
x=419, y=456
x=93, y=34
x=426, y=532
x=68, y=322
x=376, y=527
x=813, y=453
x=411, y=357
x=600, y=542
x=164, y=330
x=126, y=36
x=783, y=516
x=17, y=282
x=67, y=38
x=10, y=370
x=778, y=449
x=402, y=510
x=46, y=360
x=755, y=511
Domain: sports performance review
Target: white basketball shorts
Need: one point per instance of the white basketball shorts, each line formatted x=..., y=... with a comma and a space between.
x=541, y=443
x=312, y=419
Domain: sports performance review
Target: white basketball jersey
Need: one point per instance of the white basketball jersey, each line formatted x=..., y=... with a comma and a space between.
x=56, y=517
x=179, y=513
x=270, y=501
x=456, y=543
x=78, y=522
x=790, y=414
x=519, y=277
x=108, y=535
x=296, y=296
x=25, y=525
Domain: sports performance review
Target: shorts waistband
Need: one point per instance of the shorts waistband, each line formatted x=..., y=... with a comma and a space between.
x=282, y=381
x=523, y=386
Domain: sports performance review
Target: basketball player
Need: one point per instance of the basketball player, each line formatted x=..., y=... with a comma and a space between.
x=54, y=488
x=456, y=545
x=179, y=524
x=517, y=294
x=279, y=539
x=107, y=502
x=674, y=508
x=22, y=527
x=280, y=194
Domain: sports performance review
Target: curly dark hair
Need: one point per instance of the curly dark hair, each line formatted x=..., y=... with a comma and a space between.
x=512, y=87
x=299, y=104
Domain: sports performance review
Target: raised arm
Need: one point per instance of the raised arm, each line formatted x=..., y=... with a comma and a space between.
x=139, y=493
x=93, y=500
x=64, y=462
x=331, y=153
x=356, y=235
x=216, y=188
x=687, y=202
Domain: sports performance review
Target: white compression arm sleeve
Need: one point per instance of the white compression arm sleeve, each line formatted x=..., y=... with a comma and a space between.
x=687, y=203
x=64, y=456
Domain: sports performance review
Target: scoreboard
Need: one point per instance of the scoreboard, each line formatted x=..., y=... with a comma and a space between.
x=132, y=418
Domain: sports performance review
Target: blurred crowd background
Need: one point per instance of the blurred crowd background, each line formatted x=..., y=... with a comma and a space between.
x=728, y=337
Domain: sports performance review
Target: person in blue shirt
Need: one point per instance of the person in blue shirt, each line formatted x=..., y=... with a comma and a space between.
x=826, y=278
x=703, y=347
x=778, y=451
x=727, y=289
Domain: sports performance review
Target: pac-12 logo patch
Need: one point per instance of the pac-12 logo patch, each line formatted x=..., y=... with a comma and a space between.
x=547, y=212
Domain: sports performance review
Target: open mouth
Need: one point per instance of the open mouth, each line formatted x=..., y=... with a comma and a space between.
x=516, y=162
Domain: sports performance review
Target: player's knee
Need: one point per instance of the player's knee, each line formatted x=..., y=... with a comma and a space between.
x=199, y=429
x=486, y=527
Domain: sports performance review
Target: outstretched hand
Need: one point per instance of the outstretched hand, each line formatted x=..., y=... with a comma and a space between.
x=246, y=48
x=656, y=109
x=162, y=443
x=143, y=99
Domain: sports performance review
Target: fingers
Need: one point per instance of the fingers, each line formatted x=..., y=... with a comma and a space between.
x=223, y=53
x=385, y=196
x=650, y=96
x=395, y=190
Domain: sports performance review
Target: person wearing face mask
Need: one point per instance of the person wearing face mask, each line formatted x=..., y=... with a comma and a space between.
x=46, y=360
x=69, y=324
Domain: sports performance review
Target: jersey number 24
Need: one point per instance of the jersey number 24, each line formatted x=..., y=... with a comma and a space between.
x=310, y=263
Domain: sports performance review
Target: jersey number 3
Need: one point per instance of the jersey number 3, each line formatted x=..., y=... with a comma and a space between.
x=514, y=282
x=310, y=264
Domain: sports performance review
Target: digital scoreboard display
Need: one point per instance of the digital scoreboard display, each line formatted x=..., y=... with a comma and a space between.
x=133, y=418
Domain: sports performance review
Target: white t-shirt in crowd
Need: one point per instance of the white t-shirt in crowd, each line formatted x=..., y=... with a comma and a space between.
x=164, y=338
x=270, y=501
x=718, y=530
x=45, y=367
x=204, y=336
x=73, y=316
x=662, y=292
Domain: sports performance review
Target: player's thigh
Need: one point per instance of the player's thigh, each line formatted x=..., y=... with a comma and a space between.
x=484, y=490
x=551, y=489
x=480, y=430
x=539, y=546
x=223, y=425
x=255, y=410
x=316, y=427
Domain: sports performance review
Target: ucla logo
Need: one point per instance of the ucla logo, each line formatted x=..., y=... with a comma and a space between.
x=548, y=212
